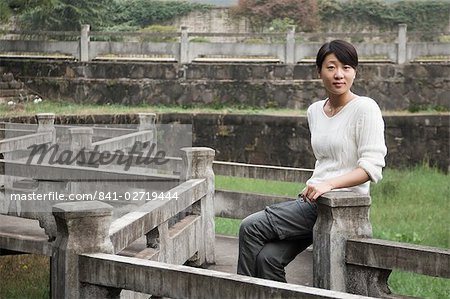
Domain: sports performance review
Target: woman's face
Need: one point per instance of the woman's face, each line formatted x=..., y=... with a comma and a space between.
x=336, y=76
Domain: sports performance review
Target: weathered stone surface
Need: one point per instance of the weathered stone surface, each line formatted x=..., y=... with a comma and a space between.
x=395, y=87
x=73, y=220
x=341, y=215
x=285, y=141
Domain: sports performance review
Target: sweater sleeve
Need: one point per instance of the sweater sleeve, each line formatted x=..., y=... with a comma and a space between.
x=370, y=140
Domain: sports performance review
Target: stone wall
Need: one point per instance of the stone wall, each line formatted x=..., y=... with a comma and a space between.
x=216, y=19
x=284, y=141
x=394, y=87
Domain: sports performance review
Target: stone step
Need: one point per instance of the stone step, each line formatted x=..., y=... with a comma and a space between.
x=14, y=92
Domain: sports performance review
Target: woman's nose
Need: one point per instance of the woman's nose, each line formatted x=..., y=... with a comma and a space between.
x=339, y=73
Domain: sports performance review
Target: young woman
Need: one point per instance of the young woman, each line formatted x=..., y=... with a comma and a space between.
x=347, y=137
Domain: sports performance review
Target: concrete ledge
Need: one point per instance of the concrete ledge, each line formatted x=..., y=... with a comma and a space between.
x=337, y=199
x=400, y=256
x=23, y=235
x=176, y=281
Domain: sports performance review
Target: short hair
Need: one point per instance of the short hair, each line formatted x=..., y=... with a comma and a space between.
x=345, y=52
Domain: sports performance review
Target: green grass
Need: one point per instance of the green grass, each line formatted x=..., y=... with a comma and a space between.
x=409, y=206
x=65, y=108
x=60, y=107
x=24, y=276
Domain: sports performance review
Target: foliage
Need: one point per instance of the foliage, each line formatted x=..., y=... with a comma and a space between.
x=308, y=15
x=5, y=11
x=281, y=24
x=261, y=12
x=119, y=15
x=418, y=15
x=64, y=15
x=142, y=13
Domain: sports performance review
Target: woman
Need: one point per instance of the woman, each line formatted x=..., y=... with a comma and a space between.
x=347, y=137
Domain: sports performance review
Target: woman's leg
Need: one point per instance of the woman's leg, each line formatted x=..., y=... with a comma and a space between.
x=291, y=220
x=275, y=256
x=255, y=231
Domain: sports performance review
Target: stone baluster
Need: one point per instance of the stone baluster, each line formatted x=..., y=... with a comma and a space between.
x=46, y=123
x=147, y=123
x=184, y=46
x=82, y=227
x=342, y=215
x=84, y=54
x=402, y=56
x=197, y=164
x=80, y=138
x=290, y=46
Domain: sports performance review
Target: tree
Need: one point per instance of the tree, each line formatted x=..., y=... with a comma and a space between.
x=261, y=12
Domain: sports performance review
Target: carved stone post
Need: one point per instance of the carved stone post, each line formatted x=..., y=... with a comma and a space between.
x=46, y=123
x=290, y=46
x=147, y=123
x=84, y=43
x=342, y=215
x=197, y=164
x=83, y=227
x=184, y=46
x=402, y=56
x=80, y=138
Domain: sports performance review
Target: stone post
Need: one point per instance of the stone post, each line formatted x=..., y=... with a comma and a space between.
x=342, y=215
x=147, y=122
x=184, y=46
x=290, y=46
x=402, y=56
x=80, y=138
x=84, y=43
x=46, y=123
x=83, y=227
x=80, y=141
x=197, y=164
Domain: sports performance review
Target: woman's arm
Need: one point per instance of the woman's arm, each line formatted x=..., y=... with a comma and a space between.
x=356, y=177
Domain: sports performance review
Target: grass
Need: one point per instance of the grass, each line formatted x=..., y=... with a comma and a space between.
x=29, y=108
x=407, y=206
x=65, y=108
x=24, y=276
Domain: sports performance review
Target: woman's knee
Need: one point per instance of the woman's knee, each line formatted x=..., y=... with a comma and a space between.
x=248, y=223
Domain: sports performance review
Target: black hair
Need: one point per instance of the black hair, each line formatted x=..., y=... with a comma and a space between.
x=344, y=51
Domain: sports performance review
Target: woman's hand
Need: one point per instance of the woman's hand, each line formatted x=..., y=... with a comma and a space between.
x=312, y=192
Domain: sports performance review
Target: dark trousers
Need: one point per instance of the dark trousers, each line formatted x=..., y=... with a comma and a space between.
x=270, y=239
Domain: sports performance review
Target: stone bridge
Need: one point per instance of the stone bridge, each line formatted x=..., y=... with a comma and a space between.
x=105, y=249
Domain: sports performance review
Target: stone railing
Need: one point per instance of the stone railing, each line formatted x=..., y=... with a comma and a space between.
x=178, y=228
x=185, y=51
x=86, y=265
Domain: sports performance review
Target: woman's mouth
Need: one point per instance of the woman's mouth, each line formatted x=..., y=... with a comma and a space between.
x=338, y=84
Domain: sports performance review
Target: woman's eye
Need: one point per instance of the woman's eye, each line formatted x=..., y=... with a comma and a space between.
x=330, y=67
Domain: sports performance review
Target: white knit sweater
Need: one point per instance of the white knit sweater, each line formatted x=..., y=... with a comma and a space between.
x=352, y=138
